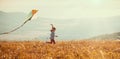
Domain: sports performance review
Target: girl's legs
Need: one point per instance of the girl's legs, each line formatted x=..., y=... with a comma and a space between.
x=53, y=41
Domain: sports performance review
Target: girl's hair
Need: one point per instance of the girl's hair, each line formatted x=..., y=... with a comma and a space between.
x=54, y=28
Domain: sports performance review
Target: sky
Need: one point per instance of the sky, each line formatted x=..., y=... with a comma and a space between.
x=74, y=19
x=64, y=8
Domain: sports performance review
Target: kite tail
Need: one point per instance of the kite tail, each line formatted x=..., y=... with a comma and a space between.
x=32, y=13
x=14, y=29
x=17, y=27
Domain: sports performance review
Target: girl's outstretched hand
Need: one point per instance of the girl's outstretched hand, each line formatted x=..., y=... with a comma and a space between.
x=51, y=24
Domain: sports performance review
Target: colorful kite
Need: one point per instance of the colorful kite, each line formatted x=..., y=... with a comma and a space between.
x=29, y=17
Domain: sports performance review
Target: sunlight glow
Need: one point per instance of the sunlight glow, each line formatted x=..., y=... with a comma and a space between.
x=97, y=2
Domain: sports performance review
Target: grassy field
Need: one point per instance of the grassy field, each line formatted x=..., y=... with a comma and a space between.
x=82, y=49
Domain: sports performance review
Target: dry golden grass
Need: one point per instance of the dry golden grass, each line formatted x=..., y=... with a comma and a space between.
x=82, y=49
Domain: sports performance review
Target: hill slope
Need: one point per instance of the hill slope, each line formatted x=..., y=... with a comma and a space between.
x=108, y=36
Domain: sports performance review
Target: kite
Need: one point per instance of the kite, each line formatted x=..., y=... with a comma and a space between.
x=29, y=17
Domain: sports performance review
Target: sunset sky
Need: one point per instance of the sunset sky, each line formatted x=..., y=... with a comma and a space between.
x=74, y=19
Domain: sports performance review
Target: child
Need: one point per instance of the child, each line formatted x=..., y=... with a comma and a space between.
x=52, y=35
